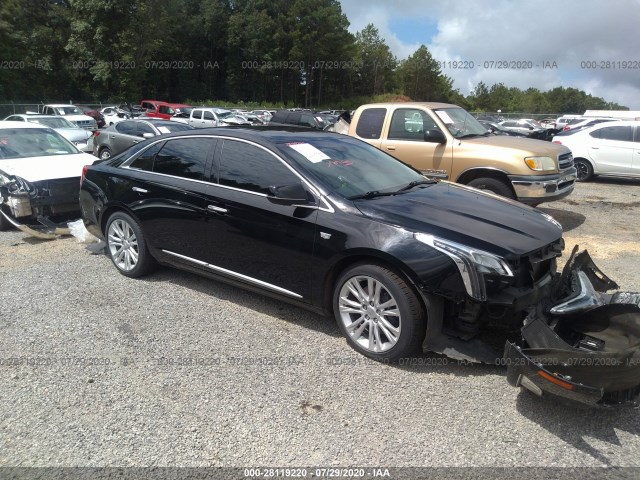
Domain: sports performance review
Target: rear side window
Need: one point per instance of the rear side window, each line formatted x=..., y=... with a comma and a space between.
x=186, y=158
x=280, y=116
x=370, y=123
x=167, y=110
x=148, y=106
x=251, y=168
x=307, y=120
x=196, y=114
x=619, y=133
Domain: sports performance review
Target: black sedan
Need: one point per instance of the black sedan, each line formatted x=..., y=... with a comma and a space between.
x=333, y=224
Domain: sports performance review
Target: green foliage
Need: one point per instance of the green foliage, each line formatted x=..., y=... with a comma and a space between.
x=276, y=53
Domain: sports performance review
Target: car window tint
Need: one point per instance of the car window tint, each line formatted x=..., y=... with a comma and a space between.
x=251, y=168
x=148, y=106
x=128, y=128
x=145, y=160
x=619, y=133
x=185, y=157
x=196, y=114
x=410, y=124
x=144, y=128
x=208, y=116
x=166, y=110
x=370, y=123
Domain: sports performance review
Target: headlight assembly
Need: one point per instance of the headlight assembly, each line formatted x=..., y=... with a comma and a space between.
x=540, y=164
x=472, y=263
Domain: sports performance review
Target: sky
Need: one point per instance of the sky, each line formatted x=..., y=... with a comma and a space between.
x=592, y=45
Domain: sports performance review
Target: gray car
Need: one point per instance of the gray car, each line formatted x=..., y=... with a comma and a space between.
x=80, y=137
x=117, y=138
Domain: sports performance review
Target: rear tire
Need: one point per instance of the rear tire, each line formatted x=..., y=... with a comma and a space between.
x=493, y=185
x=4, y=223
x=584, y=170
x=378, y=312
x=104, y=153
x=127, y=246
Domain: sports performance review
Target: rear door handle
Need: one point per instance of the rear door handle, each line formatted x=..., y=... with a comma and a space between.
x=595, y=148
x=213, y=208
x=140, y=190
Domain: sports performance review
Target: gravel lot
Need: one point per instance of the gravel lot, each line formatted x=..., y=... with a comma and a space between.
x=177, y=370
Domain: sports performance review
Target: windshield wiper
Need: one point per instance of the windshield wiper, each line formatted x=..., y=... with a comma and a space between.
x=415, y=183
x=372, y=194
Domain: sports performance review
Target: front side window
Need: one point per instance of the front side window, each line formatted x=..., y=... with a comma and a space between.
x=166, y=110
x=618, y=133
x=185, y=157
x=410, y=124
x=370, y=123
x=249, y=167
x=146, y=158
x=127, y=128
x=209, y=116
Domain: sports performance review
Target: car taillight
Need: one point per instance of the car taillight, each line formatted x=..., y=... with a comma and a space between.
x=557, y=141
x=84, y=172
x=566, y=128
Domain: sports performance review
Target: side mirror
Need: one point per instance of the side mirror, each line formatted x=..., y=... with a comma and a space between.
x=434, y=136
x=148, y=135
x=293, y=194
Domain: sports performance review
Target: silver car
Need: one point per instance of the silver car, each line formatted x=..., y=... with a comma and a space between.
x=80, y=137
x=117, y=138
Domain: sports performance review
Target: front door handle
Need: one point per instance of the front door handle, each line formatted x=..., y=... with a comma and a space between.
x=140, y=190
x=391, y=147
x=595, y=148
x=213, y=208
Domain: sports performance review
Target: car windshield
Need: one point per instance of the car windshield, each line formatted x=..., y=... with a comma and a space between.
x=53, y=122
x=32, y=142
x=170, y=127
x=460, y=123
x=348, y=167
x=68, y=110
x=222, y=114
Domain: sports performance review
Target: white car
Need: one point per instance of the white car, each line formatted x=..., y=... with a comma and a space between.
x=40, y=174
x=80, y=137
x=610, y=148
x=113, y=115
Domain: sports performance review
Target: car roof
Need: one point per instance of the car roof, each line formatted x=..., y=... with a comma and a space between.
x=56, y=105
x=36, y=115
x=10, y=124
x=414, y=104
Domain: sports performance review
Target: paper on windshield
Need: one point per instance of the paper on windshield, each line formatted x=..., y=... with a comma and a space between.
x=164, y=130
x=444, y=116
x=309, y=152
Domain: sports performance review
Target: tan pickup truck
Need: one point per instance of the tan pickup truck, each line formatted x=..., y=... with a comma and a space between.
x=445, y=141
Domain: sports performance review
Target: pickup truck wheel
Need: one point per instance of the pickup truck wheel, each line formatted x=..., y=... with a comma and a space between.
x=378, y=312
x=127, y=246
x=584, y=170
x=493, y=185
x=105, y=153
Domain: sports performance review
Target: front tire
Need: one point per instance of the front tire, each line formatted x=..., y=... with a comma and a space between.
x=584, y=170
x=493, y=185
x=4, y=223
x=127, y=246
x=379, y=314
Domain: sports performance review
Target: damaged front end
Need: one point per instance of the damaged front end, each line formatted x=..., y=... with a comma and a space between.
x=582, y=344
x=36, y=207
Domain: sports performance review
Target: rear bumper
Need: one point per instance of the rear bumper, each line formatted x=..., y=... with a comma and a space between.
x=544, y=188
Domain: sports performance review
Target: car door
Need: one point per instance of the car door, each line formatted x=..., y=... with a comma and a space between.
x=196, y=118
x=168, y=190
x=611, y=148
x=208, y=119
x=252, y=239
x=123, y=136
x=405, y=141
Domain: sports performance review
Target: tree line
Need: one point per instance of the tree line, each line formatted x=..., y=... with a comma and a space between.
x=271, y=52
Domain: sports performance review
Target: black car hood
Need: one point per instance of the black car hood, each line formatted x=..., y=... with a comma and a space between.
x=466, y=216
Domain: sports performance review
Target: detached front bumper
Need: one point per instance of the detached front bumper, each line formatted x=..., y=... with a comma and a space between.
x=584, y=347
x=544, y=188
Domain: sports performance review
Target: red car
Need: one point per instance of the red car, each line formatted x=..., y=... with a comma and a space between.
x=157, y=109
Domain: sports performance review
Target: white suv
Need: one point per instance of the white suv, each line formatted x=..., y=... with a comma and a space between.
x=610, y=148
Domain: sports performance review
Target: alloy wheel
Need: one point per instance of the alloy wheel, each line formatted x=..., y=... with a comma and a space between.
x=369, y=313
x=123, y=245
